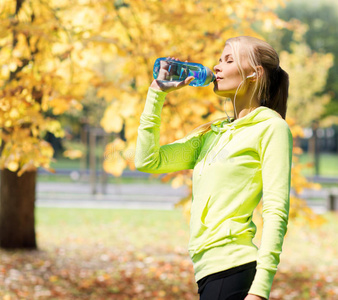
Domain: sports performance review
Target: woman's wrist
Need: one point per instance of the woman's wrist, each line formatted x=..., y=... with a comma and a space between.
x=156, y=86
x=253, y=297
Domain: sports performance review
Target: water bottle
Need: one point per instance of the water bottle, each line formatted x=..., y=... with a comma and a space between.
x=178, y=71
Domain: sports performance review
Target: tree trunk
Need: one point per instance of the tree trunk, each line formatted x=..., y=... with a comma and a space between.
x=17, y=199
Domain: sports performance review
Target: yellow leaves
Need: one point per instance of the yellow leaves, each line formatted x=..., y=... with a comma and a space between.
x=53, y=278
x=46, y=149
x=302, y=214
x=59, y=105
x=14, y=113
x=298, y=208
x=118, y=111
x=297, y=150
x=109, y=92
x=54, y=127
x=114, y=161
x=112, y=121
x=297, y=131
x=177, y=181
x=308, y=74
x=13, y=165
x=73, y=153
x=27, y=167
x=23, y=152
x=63, y=104
x=127, y=104
x=117, y=156
x=50, y=77
x=5, y=71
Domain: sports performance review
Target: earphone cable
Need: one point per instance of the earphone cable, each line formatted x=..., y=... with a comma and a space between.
x=235, y=99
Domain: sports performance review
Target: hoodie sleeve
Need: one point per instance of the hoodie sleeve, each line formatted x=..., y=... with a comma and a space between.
x=150, y=156
x=276, y=159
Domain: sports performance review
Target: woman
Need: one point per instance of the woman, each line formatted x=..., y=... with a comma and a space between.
x=235, y=163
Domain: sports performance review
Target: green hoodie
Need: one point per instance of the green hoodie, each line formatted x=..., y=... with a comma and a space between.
x=234, y=165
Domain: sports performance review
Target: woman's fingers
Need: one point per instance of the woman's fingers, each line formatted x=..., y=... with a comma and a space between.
x=185, y=82
x=189, y=79
x=163, y=81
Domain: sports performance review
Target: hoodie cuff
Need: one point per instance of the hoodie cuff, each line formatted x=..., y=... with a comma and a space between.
x=262, y=283
x=154, y=102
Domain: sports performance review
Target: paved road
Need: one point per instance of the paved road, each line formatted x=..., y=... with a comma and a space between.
x=136, y=196
x=133, y=196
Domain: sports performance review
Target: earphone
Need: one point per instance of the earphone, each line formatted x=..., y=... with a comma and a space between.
x=253, y=75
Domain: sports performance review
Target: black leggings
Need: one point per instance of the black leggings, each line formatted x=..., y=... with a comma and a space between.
x=232, y=287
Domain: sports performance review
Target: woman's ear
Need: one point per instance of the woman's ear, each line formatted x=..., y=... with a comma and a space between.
x=259, y=72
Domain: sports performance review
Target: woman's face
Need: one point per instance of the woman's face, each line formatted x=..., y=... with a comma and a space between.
x=228, y=77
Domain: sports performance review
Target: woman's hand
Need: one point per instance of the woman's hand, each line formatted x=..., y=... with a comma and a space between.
x=168, y=86
x=254, y=297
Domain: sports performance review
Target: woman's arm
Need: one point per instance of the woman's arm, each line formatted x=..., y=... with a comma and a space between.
x=150, y=156
x=276, y=159
x=254, y=297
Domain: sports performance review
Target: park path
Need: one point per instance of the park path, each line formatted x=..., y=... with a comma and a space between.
x=131, y=196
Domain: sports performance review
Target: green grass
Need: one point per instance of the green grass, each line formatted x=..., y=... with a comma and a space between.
x=135, y=254
x=328, y=164
x=67, y=164
x=139, y=228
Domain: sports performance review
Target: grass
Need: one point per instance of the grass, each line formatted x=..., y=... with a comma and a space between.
x=139, y=228
x=328, y=164
x=142, y=254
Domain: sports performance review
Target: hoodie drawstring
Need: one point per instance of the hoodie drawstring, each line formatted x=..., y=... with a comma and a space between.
x=226, y=136
x=257, y=115
x=210, y=148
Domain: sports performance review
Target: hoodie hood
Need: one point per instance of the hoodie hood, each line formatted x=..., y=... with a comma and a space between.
x=259, y=114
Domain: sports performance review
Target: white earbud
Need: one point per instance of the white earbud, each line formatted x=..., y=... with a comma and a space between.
x=253, y=75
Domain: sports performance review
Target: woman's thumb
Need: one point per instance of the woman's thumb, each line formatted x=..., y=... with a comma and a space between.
x=189, y=79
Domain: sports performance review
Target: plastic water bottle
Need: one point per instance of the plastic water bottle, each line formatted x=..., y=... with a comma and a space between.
x=178, y=71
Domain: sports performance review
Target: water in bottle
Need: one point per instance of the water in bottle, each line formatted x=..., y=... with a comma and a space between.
x=177, y=71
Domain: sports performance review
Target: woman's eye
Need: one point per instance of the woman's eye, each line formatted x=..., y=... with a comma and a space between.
x=229, y=61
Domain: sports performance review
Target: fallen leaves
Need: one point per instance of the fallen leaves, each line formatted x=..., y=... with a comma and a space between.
x=136, y=255
x=117, y=274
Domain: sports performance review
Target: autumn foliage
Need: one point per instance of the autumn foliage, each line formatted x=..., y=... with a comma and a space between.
x=45, y=71
x=51, y=53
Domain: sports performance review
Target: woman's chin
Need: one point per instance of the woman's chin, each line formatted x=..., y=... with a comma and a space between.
x=220, y=92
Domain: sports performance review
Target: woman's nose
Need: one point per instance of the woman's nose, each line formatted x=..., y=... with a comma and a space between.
x=216, y=68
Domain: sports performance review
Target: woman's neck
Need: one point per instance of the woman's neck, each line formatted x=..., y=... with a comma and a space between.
x=244, y=107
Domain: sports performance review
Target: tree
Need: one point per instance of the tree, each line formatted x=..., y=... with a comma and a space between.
x=320, y=19
x=45, y=70
x=145, y=31
x=51, y=53
x=308, y=73
x=192, y=30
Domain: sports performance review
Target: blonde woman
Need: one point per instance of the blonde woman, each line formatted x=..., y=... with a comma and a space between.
x=235, y=163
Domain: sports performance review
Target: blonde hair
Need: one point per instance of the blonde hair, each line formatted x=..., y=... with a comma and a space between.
x=272, y=86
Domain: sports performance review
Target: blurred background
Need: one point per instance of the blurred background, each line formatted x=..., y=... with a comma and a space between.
x=77, y=221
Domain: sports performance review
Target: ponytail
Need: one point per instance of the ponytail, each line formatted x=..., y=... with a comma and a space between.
x=277, y=91
x=273, y=87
